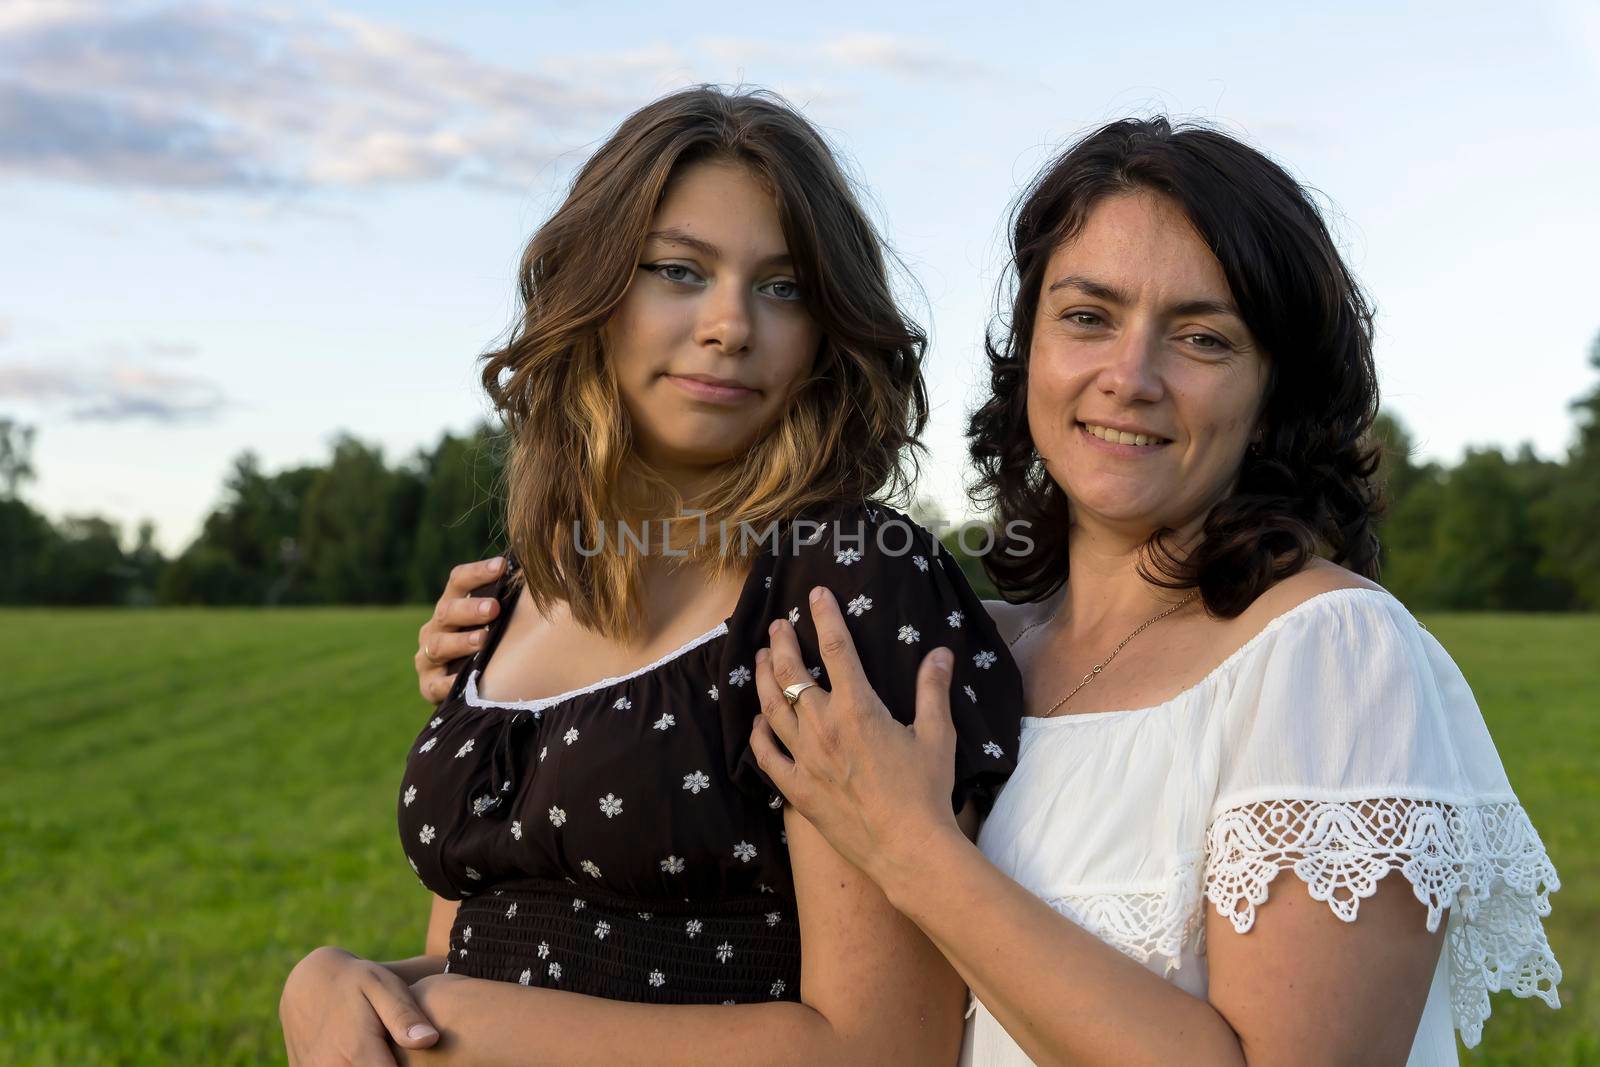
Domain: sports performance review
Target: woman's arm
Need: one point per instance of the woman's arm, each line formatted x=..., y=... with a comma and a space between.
x=1311, y=989
x=873, y=990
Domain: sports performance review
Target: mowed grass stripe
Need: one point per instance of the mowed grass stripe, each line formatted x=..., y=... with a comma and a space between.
x=190, y=800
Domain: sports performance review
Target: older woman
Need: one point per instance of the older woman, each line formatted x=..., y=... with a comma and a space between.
x=1216, y=690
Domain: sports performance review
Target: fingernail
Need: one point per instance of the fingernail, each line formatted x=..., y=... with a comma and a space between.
x=494, y=564
x=773, y=629
x=477, y=638
x=483, y=609
x=942, y=658
x=420, y=1031
x=816, y=595
x=761, y=656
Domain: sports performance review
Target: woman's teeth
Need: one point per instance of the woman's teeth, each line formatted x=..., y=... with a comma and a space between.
x=1117, y=437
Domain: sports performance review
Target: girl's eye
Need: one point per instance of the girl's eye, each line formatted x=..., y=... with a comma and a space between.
x=672, y=272
x=784, y=289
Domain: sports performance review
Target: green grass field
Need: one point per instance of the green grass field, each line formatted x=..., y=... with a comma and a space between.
x=190, y=800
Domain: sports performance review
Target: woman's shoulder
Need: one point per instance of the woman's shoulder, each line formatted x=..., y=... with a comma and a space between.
x=1316, y=579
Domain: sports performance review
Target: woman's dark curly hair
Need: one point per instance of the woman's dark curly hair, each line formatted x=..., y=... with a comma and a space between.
x=1306, y=487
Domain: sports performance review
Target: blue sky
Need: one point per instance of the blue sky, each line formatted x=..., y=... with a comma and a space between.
x=245, y=226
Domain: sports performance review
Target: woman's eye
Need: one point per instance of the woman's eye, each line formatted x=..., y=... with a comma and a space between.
x=1206, y=342
x=1084, y=318
x=784, y=289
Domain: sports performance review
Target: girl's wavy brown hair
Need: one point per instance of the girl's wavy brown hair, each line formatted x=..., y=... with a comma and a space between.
x=851, y=429
x=1306, y=488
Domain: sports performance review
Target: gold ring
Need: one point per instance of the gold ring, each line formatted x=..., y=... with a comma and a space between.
x=791, y=693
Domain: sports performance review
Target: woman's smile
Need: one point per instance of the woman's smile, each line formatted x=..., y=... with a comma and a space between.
x=712, y=390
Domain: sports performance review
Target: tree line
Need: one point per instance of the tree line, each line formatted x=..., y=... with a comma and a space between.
x=1497, y=530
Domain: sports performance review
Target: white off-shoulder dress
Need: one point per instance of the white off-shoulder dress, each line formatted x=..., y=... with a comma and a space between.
x=1341, y=745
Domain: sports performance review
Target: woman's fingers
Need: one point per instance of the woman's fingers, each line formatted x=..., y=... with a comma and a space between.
x=465, y=577
x=838, y=648
x=770, y=758
x=789, y=668
x=391, y=999
x=933, y=696
x=465, y=612
x=775, y=707
x=439, y=647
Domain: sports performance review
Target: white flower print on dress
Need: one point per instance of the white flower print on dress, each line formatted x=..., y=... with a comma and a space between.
x=714, y=693
x=744, y=852
x=794, y=616
x=955, y=618
x=543, y=752
x=777, y=988
x=664, y=722
x=466, y=935
x=657, y=979
x=474, y=875
x=570, y=736
x=555, y=972
x=434, y=722
x=860, y=605
x=557, y=816
x=610, y=805
x=724, y=952
x=427, y=746
x=776, y=802
x=739, y=676
x=766, y=583
x=425, y=835
x=645, y=915
x=815, y=672
x=463, y=953
x=511, y=912
x=696, y=782
x=985, y=659
x=971, y=694
x=672, y=865
x=921, y=562
x=466, y=746
x=602, y=929
x=544, y=950
x=622, y=704
x=992, y=749
x=693, y=928
x=411, y=794
x=847, y=557
x=527, y=977
x=483, y=804
x=909, y=635
x=774, y=918
x=516, y=829
x=590, y=869
x=578, y=903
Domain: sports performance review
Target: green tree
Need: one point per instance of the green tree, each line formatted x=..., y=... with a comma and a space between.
x=461, y=514
x=1569, y=514
x=350, y=542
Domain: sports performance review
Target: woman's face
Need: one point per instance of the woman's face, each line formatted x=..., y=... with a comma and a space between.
x=712, y=337
x=1144, y=386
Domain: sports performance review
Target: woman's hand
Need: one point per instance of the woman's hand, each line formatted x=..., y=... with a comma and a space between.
x=456, y=629
x=876, y=790
x=339, y=1010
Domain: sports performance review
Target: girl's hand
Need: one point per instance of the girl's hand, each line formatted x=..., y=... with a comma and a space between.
x=456, y=629
x=339, y=1010
x=876, y=790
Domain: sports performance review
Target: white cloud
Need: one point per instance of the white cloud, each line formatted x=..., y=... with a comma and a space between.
x=114, y=385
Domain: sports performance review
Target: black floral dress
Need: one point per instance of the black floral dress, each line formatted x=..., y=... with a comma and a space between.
x=620, y=841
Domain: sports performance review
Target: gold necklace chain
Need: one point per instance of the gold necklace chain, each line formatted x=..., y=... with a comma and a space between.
x=1098, y=667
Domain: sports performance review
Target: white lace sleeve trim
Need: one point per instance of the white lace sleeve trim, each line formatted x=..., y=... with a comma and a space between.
x=1482, y=860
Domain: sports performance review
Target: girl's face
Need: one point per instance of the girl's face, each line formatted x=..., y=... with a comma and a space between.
x=1144, y=384
x=712, y=337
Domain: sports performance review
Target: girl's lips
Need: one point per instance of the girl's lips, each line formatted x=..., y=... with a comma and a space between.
x=1115, y=448
x=714, y=394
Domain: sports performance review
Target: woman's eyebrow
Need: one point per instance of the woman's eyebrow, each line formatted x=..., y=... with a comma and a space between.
x=675, y=236
x=1111, y=295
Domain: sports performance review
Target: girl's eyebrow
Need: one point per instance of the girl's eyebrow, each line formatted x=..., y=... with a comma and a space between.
x=675, y=236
